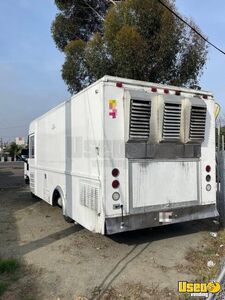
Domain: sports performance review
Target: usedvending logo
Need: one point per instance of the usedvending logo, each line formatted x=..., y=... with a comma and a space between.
x=198, y=289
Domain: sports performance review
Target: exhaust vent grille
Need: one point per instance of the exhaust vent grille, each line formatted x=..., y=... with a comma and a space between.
x=171, y=121
x=140, y=119
x=89, y=195
x=197, y=124
x=32, y=183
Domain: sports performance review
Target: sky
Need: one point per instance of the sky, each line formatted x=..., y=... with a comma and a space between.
x=30, y=64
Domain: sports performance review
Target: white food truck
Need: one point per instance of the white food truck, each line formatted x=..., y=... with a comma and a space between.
x=125, y=154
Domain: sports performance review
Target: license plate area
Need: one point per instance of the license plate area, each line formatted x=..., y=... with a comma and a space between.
x=165, y=216
x=156, y=185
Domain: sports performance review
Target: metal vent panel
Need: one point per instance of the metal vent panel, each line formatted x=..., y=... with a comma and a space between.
x=32, y=182
x=171, y=121
x=89, y=195
x=197, y=123
x=140, y=113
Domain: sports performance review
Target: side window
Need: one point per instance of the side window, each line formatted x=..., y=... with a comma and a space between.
x=31, y=146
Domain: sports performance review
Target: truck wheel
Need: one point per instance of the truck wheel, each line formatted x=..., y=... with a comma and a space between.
x=59, y=202
x=33, y=195
x=68, y=219
x=27, y=180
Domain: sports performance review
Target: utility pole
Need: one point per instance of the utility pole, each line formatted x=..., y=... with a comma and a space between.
x=1, y=147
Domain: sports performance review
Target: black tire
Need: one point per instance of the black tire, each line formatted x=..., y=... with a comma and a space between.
x=58, y=201
x=27, y=180
x=33, y=196
x=68, y=219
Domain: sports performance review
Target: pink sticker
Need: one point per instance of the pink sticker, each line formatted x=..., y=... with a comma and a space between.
x=113, y=108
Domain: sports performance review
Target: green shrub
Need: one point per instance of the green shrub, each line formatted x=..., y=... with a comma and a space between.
x=8, y=265
x=3, y=287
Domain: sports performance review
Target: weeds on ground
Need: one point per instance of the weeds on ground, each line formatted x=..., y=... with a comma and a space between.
x=8, y=268
x=3, y=288
x=213, y=250
x=17, y=281
x=134, y=291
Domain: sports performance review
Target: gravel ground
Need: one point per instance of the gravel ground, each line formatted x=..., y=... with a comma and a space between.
x=64, y=261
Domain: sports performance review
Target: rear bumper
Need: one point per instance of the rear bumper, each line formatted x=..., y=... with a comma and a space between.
x=152, y=219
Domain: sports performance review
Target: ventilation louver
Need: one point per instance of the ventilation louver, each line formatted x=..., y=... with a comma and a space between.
x=140, y=119
x=89, y=195
x=171, y=121
x=32, y=183
x=197, y=123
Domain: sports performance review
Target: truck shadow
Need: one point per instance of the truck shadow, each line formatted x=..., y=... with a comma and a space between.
x=52, y=238
x=164, y=232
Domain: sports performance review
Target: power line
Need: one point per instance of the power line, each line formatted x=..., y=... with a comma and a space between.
x=192, y=28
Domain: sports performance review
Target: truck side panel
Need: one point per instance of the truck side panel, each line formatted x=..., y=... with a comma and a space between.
x=67, y=149
x=84, y=154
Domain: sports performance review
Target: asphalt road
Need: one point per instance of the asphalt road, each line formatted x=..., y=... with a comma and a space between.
x=66, y=261
x=11, y=175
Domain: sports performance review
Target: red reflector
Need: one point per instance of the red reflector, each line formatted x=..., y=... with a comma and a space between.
x=166, y=91
x=177, y=93
x=115, y=172
x=115, y=184
x=119, y=84
x=154, y=89
x=208, y=168
x=205, y=97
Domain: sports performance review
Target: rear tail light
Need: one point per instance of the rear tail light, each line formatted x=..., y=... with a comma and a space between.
x=115, y=172
x=208, y=178
x=119, y=84
x=208, y=187
x=154, y=89
x=205, y=97
x=208, y=168
x=116, y=196
x=177, y=93
x=166, y=91
x=115, y=184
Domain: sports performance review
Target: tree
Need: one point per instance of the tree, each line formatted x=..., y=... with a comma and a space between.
x=14, y=150
x=138, y=39
x=78, y=19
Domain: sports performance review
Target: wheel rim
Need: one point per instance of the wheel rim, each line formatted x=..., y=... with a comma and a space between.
x=59, y=201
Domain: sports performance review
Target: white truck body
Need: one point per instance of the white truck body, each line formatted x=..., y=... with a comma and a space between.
x=160, y=138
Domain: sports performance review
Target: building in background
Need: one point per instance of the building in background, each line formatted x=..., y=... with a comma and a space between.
x=20, y=141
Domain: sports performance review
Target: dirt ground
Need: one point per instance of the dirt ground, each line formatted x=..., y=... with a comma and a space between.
x=65, y=261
